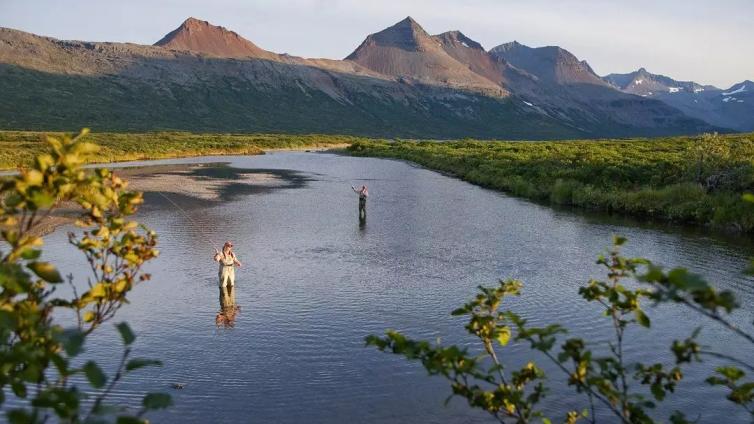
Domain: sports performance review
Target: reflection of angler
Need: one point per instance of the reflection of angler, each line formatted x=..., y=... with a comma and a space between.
x=363, y=194
x=228, y=308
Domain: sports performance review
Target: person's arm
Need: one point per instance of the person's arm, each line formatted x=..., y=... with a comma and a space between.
x=355, y=190
x=236, y=261
x=218, y=257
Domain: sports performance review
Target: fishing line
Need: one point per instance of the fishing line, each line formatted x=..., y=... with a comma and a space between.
x=214, y=244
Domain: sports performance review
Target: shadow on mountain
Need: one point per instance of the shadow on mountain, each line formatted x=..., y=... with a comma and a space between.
x=247, y=96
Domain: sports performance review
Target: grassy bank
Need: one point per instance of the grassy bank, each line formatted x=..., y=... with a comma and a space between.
x=19, y=147
x=696, y=180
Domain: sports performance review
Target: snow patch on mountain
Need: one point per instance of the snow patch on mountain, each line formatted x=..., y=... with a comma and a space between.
x=740, y=89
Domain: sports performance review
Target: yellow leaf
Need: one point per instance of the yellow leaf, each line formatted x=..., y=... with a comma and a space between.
x=121, y=286
x=99, y=290
x=33, y=177
x=103, y=232
x=503, y=335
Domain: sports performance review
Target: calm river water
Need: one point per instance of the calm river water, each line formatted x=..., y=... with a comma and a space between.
x=315, y=282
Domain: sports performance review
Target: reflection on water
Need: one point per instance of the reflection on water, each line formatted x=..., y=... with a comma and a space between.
x=229, y=310
x=321, y=281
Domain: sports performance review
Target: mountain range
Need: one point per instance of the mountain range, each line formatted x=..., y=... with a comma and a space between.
x=730, y=108
x=400, y=82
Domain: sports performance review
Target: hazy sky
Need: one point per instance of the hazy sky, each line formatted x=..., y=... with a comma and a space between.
x=708, y=41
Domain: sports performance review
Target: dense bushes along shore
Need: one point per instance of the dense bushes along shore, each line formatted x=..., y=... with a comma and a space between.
x=685, y=179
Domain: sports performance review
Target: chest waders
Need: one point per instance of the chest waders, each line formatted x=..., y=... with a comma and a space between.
x=362, y=207
x=227, y=271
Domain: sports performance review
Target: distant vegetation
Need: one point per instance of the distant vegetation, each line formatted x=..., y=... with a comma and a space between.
x=697, y=180
x=20, y=147
x=685, y=179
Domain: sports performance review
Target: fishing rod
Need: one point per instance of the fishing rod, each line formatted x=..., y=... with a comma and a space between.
x=208, y=238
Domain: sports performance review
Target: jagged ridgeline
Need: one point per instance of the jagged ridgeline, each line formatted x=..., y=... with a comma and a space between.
x=400, y=82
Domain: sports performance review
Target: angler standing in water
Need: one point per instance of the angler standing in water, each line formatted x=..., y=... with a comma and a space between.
x=228, y=262
x=363, y=194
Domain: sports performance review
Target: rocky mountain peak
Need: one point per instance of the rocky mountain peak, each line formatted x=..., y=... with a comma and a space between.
x=202, y=37
x=406, y=51
x=457, y=39
x=550, y=63
x=406, y=34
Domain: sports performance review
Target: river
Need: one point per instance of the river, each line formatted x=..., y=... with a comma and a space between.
x=315, y=282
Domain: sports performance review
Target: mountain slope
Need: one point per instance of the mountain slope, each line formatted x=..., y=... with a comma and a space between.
x=568, y=88
x=737, y=105
x=550, y=64
x=643, y=83
x=732, y=108
x=472, y=54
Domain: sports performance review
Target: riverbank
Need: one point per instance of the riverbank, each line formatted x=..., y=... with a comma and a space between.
x=679, y=179
x=20, y=147
x=185, y=186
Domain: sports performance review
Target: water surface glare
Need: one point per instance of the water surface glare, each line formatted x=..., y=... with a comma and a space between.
x=315, y=283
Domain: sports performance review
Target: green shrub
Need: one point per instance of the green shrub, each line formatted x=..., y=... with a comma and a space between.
x=562, y=192
x=37, y=351
x=627, y=389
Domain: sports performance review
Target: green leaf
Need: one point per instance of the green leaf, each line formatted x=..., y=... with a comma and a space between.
x=94, y=374
x=31, y=254
x=19, y=389
x=19, y=416
x=678, y=418
x=42, y=199
x=731, y=373
x=685, y=280
x=619, y=240
x=657, y=391
x=72, y=340
x=460, y=311
x=46, y=271
x=126, y=334
x=157, y=401
x=137, y=363
x=748, y=197
x=642, y=318
x=742, y=394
